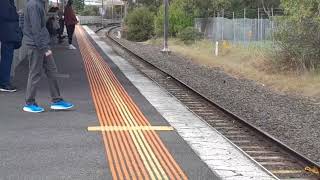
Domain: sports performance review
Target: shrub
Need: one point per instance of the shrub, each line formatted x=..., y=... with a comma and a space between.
x=90, y=11
x=140, y=24
x=299, y=44
x=298, y=35
x=180, y=17
x=189, y=35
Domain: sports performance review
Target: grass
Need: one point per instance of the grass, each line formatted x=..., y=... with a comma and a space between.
x=249, y=62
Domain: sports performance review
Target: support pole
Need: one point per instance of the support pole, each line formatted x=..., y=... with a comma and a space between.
x=121, y=12
x=102, y=13
x=166, y=25
x=112, y=12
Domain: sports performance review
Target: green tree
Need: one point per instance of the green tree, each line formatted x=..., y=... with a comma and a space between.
x=155, y=3
x=140, y=24
x=251, y=7
x=208, y=8
x=90, y=11
x=181, y=15
x=298, y=34
x=78, y=5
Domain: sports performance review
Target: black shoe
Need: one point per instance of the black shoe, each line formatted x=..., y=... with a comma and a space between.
x=8, y=88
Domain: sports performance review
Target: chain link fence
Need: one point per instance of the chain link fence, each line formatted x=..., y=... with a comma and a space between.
x=257, y=30
x=236, y=30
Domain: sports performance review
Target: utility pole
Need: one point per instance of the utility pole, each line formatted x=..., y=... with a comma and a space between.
x=102, y=13
x=112, y=16
x=166, y=26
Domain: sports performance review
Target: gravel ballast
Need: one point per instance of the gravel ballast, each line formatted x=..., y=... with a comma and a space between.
x=293, y=120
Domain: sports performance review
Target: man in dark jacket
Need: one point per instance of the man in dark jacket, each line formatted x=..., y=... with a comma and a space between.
x=37, y=39
x=10, y=37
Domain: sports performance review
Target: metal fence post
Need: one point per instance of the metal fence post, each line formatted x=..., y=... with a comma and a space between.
x=234, y=28
x=258, y=24
x=244, y=25
x=218, y=28
x=222, y=26
x=166, y=25
x=261, y=27
x=272, y=25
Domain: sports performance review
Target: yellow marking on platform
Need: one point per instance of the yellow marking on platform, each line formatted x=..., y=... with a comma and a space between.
x=126, y=117
x=130, y=128
x=313, y=170
x=287, y=171
x=139, y=139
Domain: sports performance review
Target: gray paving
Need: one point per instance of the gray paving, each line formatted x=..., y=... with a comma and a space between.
x=51, y=145
x=56, y=145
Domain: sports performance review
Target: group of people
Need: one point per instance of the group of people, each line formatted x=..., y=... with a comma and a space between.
x=55, y=24
x=36, y=37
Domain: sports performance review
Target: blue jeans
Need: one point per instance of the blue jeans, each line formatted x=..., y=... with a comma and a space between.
x=7, y=50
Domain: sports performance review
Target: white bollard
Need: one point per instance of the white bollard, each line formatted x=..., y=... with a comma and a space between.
x=119, y=35
x=216, y=52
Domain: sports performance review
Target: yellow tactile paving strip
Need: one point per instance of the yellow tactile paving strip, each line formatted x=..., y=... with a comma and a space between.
x=132, y=153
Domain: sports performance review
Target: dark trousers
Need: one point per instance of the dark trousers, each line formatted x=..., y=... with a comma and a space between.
x=39, y=63
x=7, y=50
x=70, y=31
x=60, y=31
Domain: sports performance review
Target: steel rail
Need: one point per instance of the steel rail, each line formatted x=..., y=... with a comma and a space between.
x=286, y=148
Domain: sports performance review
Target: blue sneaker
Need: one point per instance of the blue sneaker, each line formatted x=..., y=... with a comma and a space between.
x=33, y=108
x=61, y=105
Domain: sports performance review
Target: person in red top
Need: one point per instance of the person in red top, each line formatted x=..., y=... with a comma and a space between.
x=70, y=21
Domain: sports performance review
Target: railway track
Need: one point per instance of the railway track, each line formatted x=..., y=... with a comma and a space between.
x=279, y=159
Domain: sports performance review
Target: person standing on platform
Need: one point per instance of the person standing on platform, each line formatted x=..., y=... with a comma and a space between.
x=70, y=20
x=10, y=37
x=61, y=23
x=37, y=39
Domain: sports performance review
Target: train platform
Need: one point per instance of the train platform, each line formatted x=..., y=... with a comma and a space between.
x=124, y=126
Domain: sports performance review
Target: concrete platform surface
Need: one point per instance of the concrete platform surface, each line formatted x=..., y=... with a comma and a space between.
x=57, y=145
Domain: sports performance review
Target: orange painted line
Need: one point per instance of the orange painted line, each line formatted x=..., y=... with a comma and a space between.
x=111, y=147
x=93, y=92
x=148, y=158
x=129, y=153
x=149, y=151
x=109, y=142
x=111, y=137
x=154, y=159
x=168, y=159
x=116, y=108
x=160, y=145
x=165, y=156
x=136, y=136
x=118, y=146
x=124, y=139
